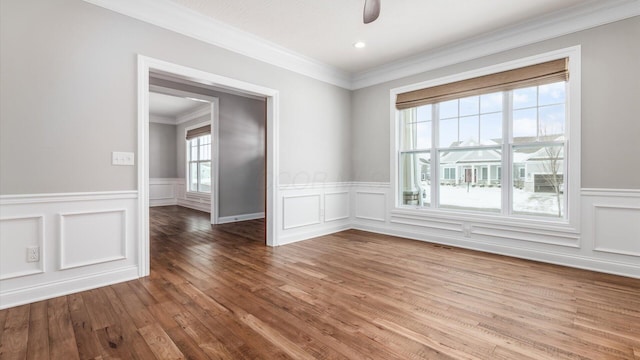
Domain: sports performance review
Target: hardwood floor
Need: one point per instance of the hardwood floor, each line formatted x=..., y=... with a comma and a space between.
x=219, y=293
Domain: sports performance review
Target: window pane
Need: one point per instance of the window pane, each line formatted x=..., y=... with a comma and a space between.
x=205, y=177
x=491, y=129
x=552, y=93
x=415, y=134
x=525, y=97
x=470, y=106
x=552, y=120
x=193, y=176
x=415, y=175
x=193, y=154
x=423, y=113
x=449, y=109
x=469, y=131
x=525, y=125
x=538, y=180
x=491, y=103
x=423, y=135
x=471, y=183
x=448, y=132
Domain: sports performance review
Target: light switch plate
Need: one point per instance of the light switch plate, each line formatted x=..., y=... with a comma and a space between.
x=122, y=158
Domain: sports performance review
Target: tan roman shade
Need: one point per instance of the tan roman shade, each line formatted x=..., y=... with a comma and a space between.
x=194, y=133
x=539, y=74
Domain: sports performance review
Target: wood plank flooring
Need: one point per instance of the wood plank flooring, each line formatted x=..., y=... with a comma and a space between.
x=219, y=293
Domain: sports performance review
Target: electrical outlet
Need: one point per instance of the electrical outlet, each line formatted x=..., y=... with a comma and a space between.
x=466, y=230
x=33, y=253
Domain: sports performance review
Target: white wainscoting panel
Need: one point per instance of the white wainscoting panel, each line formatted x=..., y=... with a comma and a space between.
x=371, y=205
x=617, y=229
x=300, y=210
x=164, y=191
x=608, y=239
x=86, y=240
x=82, y=245
x=613, y=218
x=312, y=210
x=16, y=234
x=336, y=206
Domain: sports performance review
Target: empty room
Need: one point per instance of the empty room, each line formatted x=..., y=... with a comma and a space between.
x=334, y=179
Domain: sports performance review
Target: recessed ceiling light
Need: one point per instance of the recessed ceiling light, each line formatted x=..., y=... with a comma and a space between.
x=359, y=45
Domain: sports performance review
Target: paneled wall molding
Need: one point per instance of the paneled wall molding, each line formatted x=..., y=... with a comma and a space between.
x=61, y=224
x=83, y=240
x=607, y=240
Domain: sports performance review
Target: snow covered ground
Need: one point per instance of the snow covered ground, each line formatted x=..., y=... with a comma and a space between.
x=486, y=198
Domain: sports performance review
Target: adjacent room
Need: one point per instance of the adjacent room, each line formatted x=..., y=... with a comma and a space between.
x=359, y=179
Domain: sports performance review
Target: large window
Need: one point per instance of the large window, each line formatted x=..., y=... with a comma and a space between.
x=199, y=160
x=463, y=144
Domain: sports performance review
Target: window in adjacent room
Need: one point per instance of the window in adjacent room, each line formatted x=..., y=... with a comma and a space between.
x=199, y=159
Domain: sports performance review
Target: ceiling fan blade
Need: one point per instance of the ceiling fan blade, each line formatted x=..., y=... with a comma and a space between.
x=371, y=10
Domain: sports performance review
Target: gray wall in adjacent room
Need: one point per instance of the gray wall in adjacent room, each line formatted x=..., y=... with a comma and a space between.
x=610, y=106
x=241, y=149
x=162, y=151
x=69, y=71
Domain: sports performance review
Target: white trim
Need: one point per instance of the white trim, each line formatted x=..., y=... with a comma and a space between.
x=201, y=111
x=31, y=294
x=41, y=244
x=208, y=87
x=174, y=17
x=577, y=18
x=241, y=217
x=610, y=192
x=66, y=197
x=629, y=269
x=61, y=238
x=189, y=114
x=157, y=119
x=572, y=222
x=145, y=65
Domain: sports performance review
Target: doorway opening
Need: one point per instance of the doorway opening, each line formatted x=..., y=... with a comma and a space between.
x=158, y=68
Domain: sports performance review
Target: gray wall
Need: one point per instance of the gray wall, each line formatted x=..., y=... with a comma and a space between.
x=162, y=151
x=241, y=149
x=69, y=80
x=610, y=106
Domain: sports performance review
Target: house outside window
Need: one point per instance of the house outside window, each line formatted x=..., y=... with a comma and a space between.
x=467, y=141
x=199, y=160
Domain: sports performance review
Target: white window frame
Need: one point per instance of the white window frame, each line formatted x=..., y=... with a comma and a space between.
x=571, y=222
x=188, y=161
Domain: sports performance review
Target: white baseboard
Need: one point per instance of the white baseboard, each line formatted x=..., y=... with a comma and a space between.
x=84, y=240
x=241, y=217
x=628, y=269
x=195, y=205
x=306, y=235
x=50, y=290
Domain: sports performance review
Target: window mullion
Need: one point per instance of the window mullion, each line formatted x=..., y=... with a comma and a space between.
x=507, y=163
x=435, y=156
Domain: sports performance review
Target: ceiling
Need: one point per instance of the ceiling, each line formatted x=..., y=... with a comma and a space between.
x=315, y=37
x=325, y=30
x=171, y=107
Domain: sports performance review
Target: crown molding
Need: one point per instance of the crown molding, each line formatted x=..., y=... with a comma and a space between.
x=177, y=18
x=581, y=17
x=174, y=17
x=161, y=119
x=193, y=114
